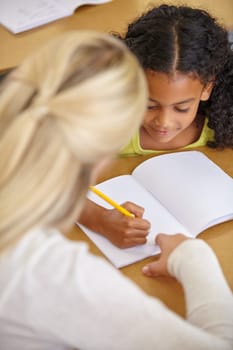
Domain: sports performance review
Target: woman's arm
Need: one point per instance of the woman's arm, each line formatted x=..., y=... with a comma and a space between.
x=80, y=300
x=209, y=299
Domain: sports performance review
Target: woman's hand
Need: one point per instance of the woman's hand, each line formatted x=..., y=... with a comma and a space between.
x=167, y=244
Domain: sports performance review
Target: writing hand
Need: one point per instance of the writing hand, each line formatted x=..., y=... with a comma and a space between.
x=123, y=231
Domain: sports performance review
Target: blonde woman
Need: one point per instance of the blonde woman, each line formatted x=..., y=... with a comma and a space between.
x=63, y=112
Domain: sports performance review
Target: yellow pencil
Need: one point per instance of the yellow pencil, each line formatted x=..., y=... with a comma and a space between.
x=115, y=205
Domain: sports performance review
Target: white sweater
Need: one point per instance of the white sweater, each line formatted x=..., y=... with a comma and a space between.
x=55, y=295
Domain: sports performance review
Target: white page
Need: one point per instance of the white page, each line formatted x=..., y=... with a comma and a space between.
x=22, y=15
x=19, y=16
x=72, y=5
x=125, y=188
x=213, y=189
x=195, y=190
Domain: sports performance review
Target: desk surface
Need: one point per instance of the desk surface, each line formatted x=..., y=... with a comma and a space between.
x=219, y=237
x=113, y=16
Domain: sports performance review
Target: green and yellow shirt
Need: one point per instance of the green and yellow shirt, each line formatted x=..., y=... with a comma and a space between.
x=134, y=148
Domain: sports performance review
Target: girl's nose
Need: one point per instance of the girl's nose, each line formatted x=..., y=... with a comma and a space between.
x=162, y=119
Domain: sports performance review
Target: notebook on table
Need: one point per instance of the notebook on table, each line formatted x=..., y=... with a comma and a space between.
x=22, y=15
x=182, y=192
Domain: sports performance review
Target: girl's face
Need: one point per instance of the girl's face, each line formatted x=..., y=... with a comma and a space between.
x=172, y=106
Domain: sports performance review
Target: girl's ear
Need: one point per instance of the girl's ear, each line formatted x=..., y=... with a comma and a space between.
x=206, y=92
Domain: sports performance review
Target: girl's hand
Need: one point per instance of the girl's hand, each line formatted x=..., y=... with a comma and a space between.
x=167, y=244
x=123, y=231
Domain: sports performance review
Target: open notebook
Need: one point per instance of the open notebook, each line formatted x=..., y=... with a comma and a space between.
x=183, y=192
x=21, y=15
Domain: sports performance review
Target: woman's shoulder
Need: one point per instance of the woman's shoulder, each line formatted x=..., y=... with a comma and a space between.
x=34, y=249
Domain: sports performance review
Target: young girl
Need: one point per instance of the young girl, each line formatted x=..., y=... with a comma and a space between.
x=189, y=68
x=56, y=128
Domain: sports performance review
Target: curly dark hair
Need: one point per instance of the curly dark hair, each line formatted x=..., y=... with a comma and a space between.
x=189, y=40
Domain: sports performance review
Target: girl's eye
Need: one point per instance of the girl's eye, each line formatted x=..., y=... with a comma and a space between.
x=182, y=110
x=152, y=107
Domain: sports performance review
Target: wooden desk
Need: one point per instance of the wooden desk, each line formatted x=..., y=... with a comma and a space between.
x=113, y=16
x=219, y=237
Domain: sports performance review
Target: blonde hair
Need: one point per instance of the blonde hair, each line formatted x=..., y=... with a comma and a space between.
x=74, y=102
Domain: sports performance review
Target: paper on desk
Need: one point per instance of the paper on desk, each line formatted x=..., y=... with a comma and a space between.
x=22, y=15
x=184, y=202
x=133, y=192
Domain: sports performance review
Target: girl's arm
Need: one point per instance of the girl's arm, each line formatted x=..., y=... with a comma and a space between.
x=122, y=231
